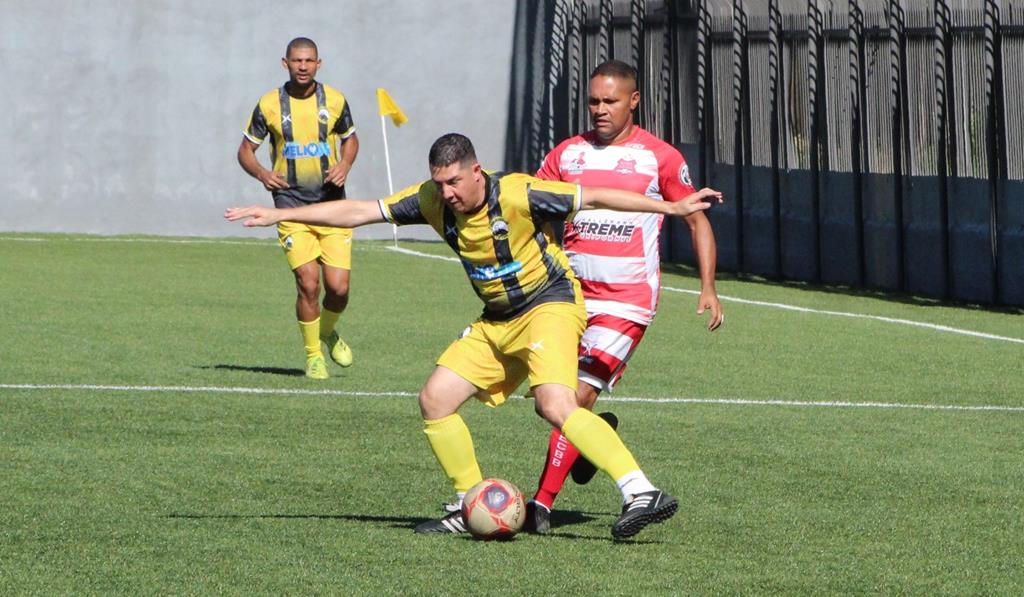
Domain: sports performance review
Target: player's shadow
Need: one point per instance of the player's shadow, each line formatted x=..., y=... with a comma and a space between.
x=563, y=518
x=398, y=521
x=256, y=369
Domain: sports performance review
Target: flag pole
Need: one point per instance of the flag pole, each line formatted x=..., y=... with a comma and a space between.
x=387, y=162
x=387, y=107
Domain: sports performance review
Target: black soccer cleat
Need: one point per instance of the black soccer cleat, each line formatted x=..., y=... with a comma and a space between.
x=643, y=509
x=451, y=523
x=583, y=470
x=538, y=518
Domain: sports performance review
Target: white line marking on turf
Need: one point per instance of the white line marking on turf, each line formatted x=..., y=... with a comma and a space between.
x=345, y=393
x=119, y=239
x=920, y=324
x=908, y=322
x=203, y=389
x=419, y=254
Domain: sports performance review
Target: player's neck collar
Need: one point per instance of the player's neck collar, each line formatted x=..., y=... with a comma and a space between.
x=310, y=92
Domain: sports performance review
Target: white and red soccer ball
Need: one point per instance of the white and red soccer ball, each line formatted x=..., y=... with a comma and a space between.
x=494, y=509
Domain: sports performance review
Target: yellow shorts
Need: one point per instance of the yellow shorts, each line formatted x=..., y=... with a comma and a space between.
x=303, y=243
x=540, y=345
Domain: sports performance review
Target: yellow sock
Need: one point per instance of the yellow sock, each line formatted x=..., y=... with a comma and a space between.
x=328, y=319
x=599, y=443
x=311, y=337
x=453, y=446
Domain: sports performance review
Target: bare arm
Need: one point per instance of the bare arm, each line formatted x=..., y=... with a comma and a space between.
x=620, y=200
x=247, y=160
x=338, y=173
x=350, y=213
x=703, y=238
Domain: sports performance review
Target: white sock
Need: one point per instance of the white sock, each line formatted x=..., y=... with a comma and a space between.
x=633, y=483
x=459, y=497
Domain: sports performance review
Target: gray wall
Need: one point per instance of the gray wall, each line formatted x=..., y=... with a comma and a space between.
x=125, y=117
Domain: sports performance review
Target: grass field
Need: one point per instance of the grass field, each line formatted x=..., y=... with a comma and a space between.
x=157, y=436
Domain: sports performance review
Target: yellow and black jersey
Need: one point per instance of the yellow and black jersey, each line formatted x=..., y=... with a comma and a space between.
x=506, y=247
x=304, y=135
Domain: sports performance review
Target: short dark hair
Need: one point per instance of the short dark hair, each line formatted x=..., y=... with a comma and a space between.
x=451, y=148
x=301, y=42
x=617, y=69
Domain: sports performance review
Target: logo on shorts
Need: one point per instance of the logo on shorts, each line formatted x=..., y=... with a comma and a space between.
x=288, y=243
x=499, y=228
x=323, y=116
x=684, y=175
x=587, y=346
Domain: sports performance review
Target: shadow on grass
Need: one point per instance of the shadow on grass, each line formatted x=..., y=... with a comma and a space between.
x=256, y=369
x=560, y=520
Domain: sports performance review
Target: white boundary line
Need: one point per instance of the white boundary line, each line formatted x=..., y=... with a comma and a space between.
x=624, y=399
x=121, y=239
x=907, y=322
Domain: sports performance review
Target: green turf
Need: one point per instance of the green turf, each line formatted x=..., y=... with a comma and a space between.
x=208, y=492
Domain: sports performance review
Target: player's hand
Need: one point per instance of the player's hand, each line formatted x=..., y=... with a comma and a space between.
x=336, y=174
x=708, y=301
x=254, y=215
x=272, y=181
x=699, y=201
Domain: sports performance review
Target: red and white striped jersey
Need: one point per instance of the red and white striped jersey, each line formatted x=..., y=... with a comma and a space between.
x=615, y=254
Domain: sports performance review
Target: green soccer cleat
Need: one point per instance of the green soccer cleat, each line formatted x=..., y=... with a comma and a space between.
x=339, y=351
x=316, y=368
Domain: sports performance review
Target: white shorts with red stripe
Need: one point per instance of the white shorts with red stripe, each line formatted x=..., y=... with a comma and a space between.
x=606, y=347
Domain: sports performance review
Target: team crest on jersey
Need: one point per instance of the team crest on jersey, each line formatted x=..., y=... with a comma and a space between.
x=576, y=166
x=323, y=116
x=288, y=243
x=684, y=175
x=625, y=166
x=499, y=229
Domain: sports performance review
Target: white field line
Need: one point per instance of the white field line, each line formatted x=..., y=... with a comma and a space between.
x=204, y=390
x=119, y=239
x=907, y=322
x=607, y=398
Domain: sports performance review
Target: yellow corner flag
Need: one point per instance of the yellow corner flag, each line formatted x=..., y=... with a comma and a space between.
x=388, y=107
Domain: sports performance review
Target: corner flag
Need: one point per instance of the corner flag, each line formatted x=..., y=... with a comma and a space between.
x=388, y=107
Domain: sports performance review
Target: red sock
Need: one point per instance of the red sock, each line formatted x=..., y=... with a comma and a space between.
x=561, y=456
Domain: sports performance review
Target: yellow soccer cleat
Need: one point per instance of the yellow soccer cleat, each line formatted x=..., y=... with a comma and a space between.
x=316, y=368
x=339, y=351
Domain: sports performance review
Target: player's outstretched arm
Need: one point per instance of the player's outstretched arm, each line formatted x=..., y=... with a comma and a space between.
x=620, y=200
x=350, y=213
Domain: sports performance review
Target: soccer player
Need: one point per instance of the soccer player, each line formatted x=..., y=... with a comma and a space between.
x=615, y=255
x=499, y=226
x=306, y=121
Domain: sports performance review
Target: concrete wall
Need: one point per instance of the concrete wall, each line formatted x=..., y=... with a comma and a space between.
x=125, y=117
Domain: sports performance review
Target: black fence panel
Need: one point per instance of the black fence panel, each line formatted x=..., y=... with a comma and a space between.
x=924, y=237
x=1011, y=242
x=869, y=143
x=798, y=225
x=760, y=226
x=883, y=253
x=970, y=240
x=725, y=218
x=840, y=229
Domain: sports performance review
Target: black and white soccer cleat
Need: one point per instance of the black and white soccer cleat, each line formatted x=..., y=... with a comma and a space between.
x=643, y=509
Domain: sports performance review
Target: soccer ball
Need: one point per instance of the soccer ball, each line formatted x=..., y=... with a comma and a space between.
x=494, y=509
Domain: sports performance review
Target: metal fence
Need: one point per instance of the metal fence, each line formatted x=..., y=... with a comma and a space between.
x=869, y=143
